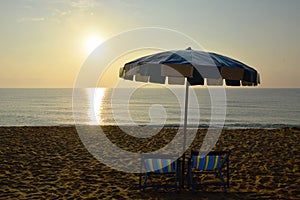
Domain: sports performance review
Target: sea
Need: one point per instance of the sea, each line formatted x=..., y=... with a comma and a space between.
x=239, y=107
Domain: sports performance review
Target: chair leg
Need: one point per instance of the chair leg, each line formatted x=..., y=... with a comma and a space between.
x=175, y=182
x=227, y=171
x=190, y=179
x=145, y=181
x=192, y=182
x=140, y=181
x=223, y=181
x=228, y=177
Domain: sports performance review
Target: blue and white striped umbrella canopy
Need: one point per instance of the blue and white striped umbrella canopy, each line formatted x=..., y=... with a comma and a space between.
x=196, y=66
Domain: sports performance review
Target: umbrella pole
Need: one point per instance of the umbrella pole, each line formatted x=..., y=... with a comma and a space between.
x=185, y=128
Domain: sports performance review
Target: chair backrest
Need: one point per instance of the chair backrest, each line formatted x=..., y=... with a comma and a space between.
x=205, y=163
x=156, y=165
x=212, y=161
x=159, y=163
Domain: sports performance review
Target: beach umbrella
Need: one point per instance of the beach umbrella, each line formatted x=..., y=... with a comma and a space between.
x=189, y=67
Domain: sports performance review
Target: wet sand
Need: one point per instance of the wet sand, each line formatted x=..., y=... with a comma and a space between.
x=51, y=162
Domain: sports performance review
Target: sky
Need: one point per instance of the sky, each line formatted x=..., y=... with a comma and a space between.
x=43, y=44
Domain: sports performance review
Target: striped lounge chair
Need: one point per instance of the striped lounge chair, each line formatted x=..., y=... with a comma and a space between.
x=215, y=162
x=154, y=165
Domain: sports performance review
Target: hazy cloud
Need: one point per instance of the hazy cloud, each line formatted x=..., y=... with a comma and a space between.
x=31, y=19
x=83, y=4
x=55, y=10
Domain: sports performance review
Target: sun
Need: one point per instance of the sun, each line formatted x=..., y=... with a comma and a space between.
x=92, y=42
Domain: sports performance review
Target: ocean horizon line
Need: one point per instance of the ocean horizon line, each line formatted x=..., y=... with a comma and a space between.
x=240, y=126
x=226, y=87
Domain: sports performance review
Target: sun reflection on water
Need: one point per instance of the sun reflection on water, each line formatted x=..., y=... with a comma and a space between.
x=95, y=96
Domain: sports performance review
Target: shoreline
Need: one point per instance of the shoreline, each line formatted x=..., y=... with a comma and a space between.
x=51, y=162
x=154, y=126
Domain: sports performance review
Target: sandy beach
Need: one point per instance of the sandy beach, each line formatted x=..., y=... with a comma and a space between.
x=51, y=162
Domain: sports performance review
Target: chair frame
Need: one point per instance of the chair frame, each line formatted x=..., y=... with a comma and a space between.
x=223, y=167
x=144, y=185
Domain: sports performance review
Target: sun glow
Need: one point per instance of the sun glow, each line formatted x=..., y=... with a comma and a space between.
x=92, y=42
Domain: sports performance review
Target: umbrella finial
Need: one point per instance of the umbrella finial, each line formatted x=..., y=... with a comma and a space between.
x=189, y=48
